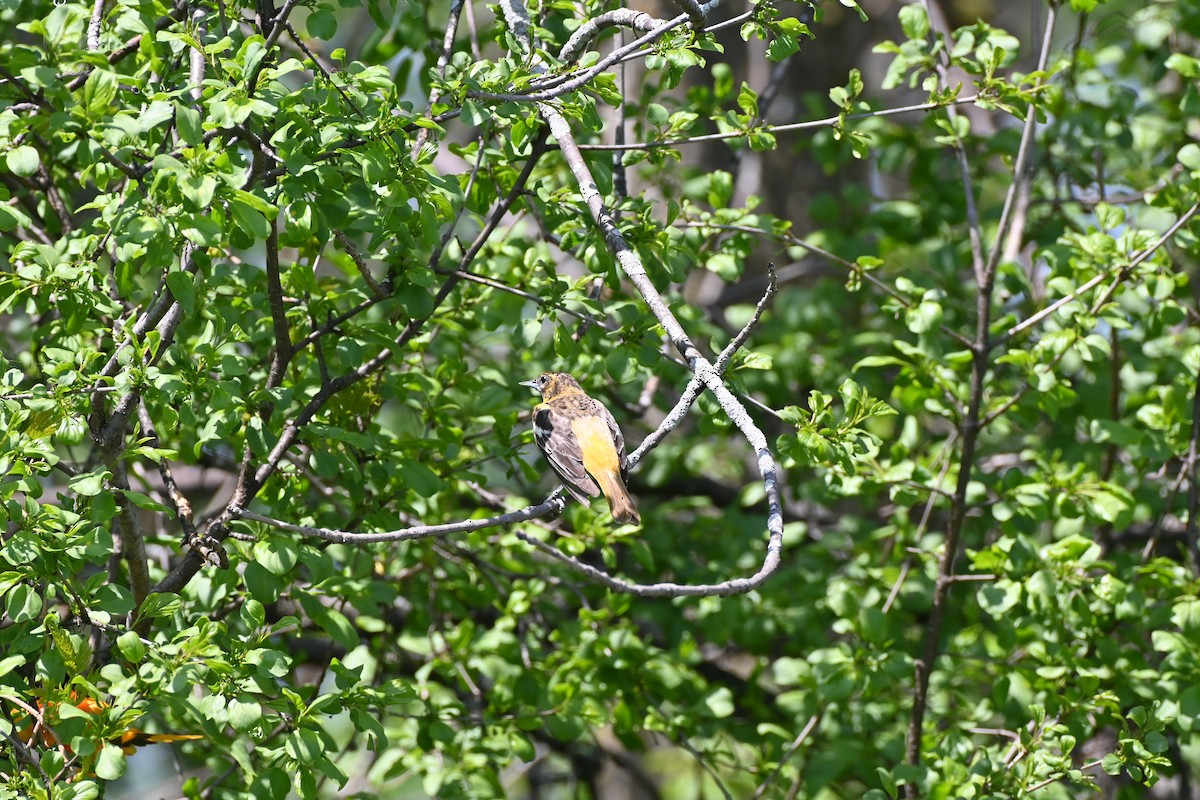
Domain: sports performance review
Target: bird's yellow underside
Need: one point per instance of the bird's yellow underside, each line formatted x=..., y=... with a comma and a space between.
x=596, y=445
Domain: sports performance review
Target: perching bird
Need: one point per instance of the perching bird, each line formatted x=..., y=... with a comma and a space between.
x=35, y=733
x=582, y=442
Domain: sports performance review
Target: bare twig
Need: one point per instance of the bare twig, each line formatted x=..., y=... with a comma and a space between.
x=1043, y=784
x=812, y=723
x=794, y=241
x=183, y=507
x=356, y=257
x=456, y=7
x=558, y=86
x=553, y=505
x=787, y=127
x=692, y=391
x=922, y=525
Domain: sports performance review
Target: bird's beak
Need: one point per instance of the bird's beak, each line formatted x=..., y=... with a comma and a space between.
x=530, y=384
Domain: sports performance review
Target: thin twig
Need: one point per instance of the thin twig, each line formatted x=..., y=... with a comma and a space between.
x=692, y=391
x=1056, y=778
x=826, y=122
x=1193, y=468
x=922, y=526
x=1037, y=317
x=456, y=7
x=812, y=723
x=357, y=258
x=553, y=505
x=559, y=86
x=794, y=241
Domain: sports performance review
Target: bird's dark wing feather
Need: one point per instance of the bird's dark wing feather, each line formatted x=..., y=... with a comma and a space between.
x=552, y=432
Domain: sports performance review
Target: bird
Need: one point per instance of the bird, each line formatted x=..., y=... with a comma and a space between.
x=582, y=442
x=35, y=733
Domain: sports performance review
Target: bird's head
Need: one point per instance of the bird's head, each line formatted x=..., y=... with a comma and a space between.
x=552, y=384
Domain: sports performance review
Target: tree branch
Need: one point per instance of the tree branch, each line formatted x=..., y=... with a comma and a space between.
x=970, y=428
x=1037, y=317
x=560, y=85
x=620, y=17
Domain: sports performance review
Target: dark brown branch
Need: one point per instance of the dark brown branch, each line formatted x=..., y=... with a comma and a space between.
x=133, y=542
x=283, y=336
x=970, y=428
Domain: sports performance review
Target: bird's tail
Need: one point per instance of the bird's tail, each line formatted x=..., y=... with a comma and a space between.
x=619, y=501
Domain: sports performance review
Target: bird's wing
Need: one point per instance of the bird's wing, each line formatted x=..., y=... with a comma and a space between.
x=552, y=432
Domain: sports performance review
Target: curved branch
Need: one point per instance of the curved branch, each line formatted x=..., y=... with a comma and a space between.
x=554, y=504
x=560, y=85
x=704, y=371
x=620, y=17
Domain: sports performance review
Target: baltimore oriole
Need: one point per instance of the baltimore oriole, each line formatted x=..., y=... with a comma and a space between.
x=582, y=442
x=34, y=733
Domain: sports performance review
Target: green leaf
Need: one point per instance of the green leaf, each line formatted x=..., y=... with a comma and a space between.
x=337, y=626
x=322, y=24
x=1186, y=615
x=1189, y=156
x=183, y=289
x=111, y=764
x=99, y=91
x=720, y=703
x=23, y=160
x=188, y=122
x=157, y=605
x=131, y=647
x=914, y=21
x=89, y=484
x=23, y=603
x=248, y=218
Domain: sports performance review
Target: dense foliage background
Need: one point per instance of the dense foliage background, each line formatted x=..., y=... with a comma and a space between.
x=284, y=265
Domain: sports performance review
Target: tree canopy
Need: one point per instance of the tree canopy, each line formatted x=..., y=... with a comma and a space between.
x=894, y=305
